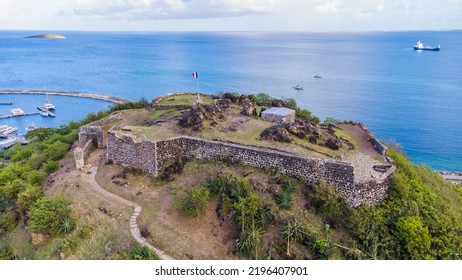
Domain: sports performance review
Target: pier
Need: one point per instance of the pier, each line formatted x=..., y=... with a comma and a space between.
x=14, y=116
x=109, y=98
x=6, y=103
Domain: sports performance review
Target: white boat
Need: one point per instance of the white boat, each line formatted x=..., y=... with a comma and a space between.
x=9, y=130
x=31, y=127
x=17, y=111
x=48, y=106
x=44, y=113
x=298, y=87
x=3, y=127
x=8, y=142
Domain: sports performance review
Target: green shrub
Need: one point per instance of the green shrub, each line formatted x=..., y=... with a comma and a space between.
x=28, y=197
x=5, y=252
x=306, y=115
x=220, y=185
x=193, y=201
x=56, y=150
x=140, y=252
x=320, y=246
x=48, y=213
x=50, y=167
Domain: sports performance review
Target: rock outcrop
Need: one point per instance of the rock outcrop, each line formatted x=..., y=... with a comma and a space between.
x=276, y=133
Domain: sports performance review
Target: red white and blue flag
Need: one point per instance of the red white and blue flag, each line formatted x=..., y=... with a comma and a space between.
x=195, y=75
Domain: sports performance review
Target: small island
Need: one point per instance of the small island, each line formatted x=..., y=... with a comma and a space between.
x=46, y=36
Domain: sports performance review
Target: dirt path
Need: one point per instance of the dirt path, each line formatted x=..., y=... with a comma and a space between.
x=361, y=137
x=89, y=176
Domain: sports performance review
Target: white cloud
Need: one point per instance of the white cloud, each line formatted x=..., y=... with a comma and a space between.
x=4, y=8
x=173, y=9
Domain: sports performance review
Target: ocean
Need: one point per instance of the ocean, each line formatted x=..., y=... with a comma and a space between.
x=408, y=97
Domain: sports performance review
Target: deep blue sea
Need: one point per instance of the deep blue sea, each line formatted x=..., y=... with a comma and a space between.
x=408, y=97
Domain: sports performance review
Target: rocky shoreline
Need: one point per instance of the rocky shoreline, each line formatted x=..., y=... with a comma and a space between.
x=454, y=177
x=449, y=173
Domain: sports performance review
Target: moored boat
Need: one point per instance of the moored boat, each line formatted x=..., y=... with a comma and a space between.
x=48, y=106
x=17, y=111
x=8, y=131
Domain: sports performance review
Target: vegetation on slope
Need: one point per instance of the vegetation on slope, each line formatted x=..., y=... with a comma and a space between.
x=420, y=218
x=22, y=201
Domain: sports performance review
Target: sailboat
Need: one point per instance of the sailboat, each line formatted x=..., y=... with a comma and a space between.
x=17, y=111
x=47, y=105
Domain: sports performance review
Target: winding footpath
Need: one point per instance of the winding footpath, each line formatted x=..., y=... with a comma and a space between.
x=134, y=229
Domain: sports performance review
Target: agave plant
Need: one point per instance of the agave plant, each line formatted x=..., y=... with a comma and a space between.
x=288, y=186
x=66, y=225
x=284, y=200
x=219, y=185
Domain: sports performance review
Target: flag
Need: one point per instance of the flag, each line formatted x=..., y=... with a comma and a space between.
x=194, y=75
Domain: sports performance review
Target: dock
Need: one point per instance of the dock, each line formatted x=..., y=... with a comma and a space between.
x=22, y=115
x=50, y=114
x=6, y=103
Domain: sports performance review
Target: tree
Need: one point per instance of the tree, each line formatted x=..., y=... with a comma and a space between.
x=28, y=197
x=193, y=201
x=56, y=150
x=293, y=231
x=48, y=214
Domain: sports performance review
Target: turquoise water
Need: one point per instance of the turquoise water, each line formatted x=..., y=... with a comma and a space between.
x=412, y=98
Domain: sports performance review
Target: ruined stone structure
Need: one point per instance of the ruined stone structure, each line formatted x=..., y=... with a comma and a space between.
x=81, y=152
x=154, y=156
x=91, y=132
x=90, y=135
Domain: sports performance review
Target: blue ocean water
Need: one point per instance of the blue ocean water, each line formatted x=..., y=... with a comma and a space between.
x=408, y=97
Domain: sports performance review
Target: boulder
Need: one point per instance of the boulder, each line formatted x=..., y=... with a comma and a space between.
x=198, y=127
x=333, y=143
x=296, y=130
x=278, y=103
x=248, y=108
x=276, y=133
x=231, y=97
x=191, y=118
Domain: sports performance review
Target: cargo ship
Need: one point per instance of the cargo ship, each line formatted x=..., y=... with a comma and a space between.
x=419, y=46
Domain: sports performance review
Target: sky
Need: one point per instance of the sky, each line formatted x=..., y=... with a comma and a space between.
x=231, y=15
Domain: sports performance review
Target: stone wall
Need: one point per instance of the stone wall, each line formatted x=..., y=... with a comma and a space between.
x=81, y=152
x=126, y=152
x=154, y=157
x=378, y=145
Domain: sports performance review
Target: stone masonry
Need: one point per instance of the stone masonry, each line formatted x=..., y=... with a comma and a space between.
x=153, y=157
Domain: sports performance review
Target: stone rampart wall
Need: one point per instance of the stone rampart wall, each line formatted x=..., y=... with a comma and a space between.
x=154, y=157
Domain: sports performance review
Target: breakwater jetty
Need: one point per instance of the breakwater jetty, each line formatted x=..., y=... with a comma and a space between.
x=109, y=98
